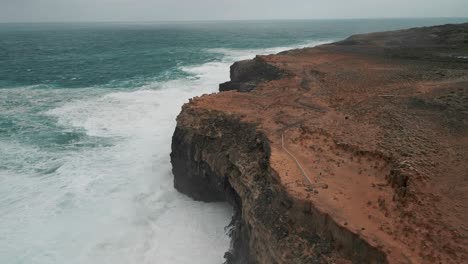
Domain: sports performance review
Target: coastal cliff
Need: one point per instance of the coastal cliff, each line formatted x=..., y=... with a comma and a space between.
x=350, y=152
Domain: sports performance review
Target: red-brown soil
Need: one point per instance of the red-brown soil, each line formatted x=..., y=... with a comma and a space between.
x=378, y=124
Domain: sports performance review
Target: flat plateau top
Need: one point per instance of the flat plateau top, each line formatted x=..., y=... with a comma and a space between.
x=379, y=124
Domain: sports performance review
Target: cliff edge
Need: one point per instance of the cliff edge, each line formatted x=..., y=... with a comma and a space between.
x=350, y=152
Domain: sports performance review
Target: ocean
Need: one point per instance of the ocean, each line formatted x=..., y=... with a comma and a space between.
x=87, y=112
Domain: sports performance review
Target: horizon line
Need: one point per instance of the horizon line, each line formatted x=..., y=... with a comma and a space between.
x=224, y=20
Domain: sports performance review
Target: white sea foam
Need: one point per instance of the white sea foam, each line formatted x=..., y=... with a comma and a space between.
x=243, y=54
x=116, y=203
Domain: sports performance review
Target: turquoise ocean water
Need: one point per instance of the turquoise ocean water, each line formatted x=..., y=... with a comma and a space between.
x=87, y=113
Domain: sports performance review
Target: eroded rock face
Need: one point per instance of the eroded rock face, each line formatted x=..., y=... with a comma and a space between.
x=245, y=75
x=352, y=152
x=229, y=160
x=208, y=164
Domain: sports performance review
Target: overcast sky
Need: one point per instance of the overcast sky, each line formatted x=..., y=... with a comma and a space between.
x=156, y=10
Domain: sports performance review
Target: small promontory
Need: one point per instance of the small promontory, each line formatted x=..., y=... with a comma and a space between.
x=350, y=152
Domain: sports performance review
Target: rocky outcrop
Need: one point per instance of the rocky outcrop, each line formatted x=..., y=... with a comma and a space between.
x=245, y=75
x=229, y=160
x=352, y=152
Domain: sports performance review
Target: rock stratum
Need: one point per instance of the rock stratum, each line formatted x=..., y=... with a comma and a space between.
x=350, y=152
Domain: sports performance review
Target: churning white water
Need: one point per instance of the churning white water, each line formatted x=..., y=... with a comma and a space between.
x=114, y=203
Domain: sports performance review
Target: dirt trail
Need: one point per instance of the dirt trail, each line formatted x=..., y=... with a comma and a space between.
x=373, y=132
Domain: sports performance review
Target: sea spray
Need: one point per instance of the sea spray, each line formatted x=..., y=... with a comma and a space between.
x=86, y=118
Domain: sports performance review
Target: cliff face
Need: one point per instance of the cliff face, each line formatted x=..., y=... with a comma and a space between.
x=245, y=75
x=353, y=152
x=229, y=160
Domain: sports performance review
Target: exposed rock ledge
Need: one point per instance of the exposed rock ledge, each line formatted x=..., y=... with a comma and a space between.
x=379, y=125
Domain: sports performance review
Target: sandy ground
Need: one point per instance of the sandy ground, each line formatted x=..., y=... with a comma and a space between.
x=379, y=124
